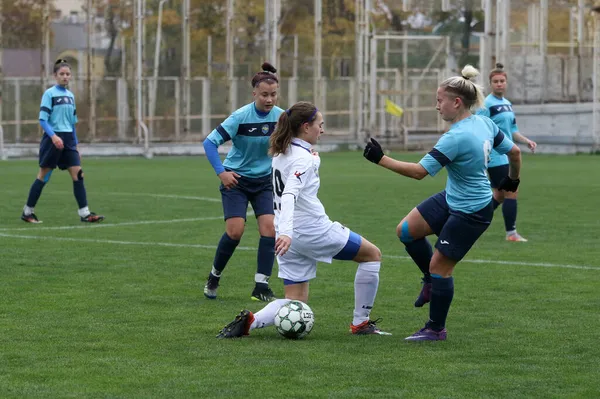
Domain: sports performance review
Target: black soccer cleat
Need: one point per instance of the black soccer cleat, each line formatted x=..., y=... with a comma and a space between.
x=239, y=327
x=262, y=292
x=92, y=218
x=31, y=218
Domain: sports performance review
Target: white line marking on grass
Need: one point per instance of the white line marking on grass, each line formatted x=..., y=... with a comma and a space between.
x=173, y=196
x=98, y=225
x=93, y=241
x=166, y=244
x=512, y=263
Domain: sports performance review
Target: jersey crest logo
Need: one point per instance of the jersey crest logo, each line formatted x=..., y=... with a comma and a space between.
x=265, y=129
x=298, y=174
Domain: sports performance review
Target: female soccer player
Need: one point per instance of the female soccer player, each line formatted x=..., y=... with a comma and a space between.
x=499, y=109
x=246, y=177
x=305, y=235
x=58, y=116
x=463, y=211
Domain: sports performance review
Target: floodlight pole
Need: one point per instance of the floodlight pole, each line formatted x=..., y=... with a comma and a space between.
x=596, y=77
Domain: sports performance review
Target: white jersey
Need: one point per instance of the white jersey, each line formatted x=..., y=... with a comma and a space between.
x=296, y=184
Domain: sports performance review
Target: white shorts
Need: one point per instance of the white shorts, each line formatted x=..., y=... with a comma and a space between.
x=300, y=262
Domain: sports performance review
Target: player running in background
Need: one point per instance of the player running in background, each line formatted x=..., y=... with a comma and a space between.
x=463, y=211
x=499, y=109
x=246, y=177
x=305, y=235
x=58, y=116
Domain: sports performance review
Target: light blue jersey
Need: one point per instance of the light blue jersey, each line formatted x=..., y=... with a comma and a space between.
x=249, y=131
x=500, y=111
x=58, y=108
x=465, y=151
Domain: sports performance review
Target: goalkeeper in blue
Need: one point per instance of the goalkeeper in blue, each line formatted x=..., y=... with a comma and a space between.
x=245, y=177
x=463, y=211
x=58, y=147
x=499, y=109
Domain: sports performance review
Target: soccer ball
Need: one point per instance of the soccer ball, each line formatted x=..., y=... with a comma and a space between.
x=294, y=320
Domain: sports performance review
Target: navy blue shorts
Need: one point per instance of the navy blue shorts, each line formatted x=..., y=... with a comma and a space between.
x=51, y=157
x=456, y=231
x=257, y=191
x=496, y=174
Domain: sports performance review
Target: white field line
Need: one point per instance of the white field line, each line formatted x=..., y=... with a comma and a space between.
x=166, y=244
x=37, y=228
x=172, y=196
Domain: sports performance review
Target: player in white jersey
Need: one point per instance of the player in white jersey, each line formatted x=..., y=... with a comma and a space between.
x=304, y=233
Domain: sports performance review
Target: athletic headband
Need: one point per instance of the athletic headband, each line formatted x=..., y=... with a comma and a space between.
x=289, y=111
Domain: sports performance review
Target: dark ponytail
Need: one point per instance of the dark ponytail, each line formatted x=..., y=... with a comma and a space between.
x=268, y=75
x=61, y=62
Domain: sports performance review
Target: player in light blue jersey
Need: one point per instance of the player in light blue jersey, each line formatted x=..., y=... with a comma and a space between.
x=463, y=211
x=58, y=116
x=246, y=177
x=499, y=109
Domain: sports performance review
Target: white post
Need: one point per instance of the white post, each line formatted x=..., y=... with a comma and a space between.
x=46, y=29
x=138, y=69
x=185, y=69
x=596, y=78
x=229, y=55
x=373, y=85
x=543, y=45
x=318, y=56
x=293, y=83
x=152, y=99
x=358, y=73
x=485, y=52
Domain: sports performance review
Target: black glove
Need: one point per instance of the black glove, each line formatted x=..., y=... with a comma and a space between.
x=373, y=151
x=508, y=184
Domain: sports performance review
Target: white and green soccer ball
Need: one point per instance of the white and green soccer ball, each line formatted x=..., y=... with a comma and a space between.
x=294, y=320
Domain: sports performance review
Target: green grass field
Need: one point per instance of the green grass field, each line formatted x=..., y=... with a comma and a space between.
x=116, y=310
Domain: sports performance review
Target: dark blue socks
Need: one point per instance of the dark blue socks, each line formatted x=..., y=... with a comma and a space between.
x=442, y=292
x=266, y=255
x=80, y=195
x=35, y=192
x=421, y=252
x=509, y=210
x=225, y=249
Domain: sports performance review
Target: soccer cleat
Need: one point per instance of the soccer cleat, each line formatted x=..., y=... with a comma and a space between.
x=92, y=218
x=427, y=334
x=367, y=327
x=516, y=237
x=31, y=218
x=262, y=292
x=210, y=289
x=239, y=327
x=424, y=296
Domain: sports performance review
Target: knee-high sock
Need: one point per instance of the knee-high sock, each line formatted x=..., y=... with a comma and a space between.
x=366, y=283
x=442, y=292
x=266, y=316
x=509, y=210
x=35, y=192
x=265, y=259
x=421, y=252
x=225, y=249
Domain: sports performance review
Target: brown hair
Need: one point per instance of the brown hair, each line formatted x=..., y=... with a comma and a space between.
x=266, y=75
x=463, y=87
x=499, y=70
x=288, y=126
x=60, y=63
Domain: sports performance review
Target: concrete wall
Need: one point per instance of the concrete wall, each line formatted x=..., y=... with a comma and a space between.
x=557, y=128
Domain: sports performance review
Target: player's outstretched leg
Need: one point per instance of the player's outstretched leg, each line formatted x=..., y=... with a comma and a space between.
x=239, y=327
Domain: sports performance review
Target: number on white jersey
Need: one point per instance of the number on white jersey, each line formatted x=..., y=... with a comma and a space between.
x=278, y=188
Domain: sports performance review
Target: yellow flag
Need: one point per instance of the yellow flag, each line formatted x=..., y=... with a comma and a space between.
x=393, y=109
